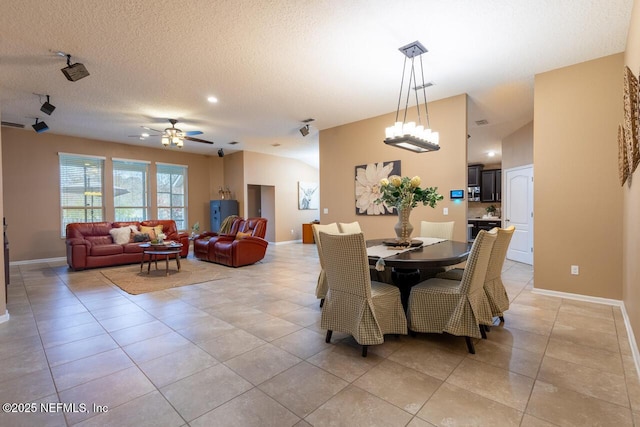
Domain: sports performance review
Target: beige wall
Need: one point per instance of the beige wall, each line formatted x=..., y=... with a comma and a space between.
x=577, y=197
x=30, y=171
x=344, y=147
x=517, y=148
x=3, y=291
x=631, y=201
x=283, y=174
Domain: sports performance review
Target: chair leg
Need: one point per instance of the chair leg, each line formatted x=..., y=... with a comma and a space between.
x=470, y=346
x=483, y=332
x=487, y=328
x=502, y=319
x=321, y=302
x=413, y=333
x=364, y=350
x=328, y=339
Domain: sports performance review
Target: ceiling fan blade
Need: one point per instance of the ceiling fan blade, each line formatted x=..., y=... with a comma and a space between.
x=197, y=140
x=193, y=133
x=153, y=130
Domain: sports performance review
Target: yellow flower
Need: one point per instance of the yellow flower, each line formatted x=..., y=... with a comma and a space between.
x=395, y=180
x=384, y=182
x=415, y=182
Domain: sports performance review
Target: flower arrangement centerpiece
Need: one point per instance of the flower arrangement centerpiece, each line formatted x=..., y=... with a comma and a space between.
x=195, y=229
x=160, y=237
x=404, y=194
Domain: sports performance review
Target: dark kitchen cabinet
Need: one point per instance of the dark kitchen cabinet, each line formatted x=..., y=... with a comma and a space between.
x=491, y=186
x=474, y=175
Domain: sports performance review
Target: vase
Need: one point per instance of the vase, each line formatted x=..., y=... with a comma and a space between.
x=403, y=228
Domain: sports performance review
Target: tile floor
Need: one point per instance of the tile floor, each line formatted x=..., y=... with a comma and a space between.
x=248, y=351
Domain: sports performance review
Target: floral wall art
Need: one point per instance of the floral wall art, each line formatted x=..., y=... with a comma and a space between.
x=628, y=133
x=367, y=185
x=308, y=195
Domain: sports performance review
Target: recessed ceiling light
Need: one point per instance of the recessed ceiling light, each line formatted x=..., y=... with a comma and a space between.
x=212, y=99
x=491, y=154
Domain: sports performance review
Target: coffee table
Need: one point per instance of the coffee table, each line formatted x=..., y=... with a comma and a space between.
x=155, y=251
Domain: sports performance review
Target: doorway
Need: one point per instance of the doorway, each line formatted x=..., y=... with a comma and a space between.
x=261, y=202
x=518, y=211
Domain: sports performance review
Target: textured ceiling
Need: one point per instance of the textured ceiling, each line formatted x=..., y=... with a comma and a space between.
x=274, y=64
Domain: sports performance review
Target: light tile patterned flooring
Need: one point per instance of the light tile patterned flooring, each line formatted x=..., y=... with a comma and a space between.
x=248, y=351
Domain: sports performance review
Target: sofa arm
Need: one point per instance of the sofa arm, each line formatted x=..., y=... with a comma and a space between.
x=77, y=252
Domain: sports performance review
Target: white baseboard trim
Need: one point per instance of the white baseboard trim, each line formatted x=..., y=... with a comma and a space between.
x=4, y=317
x=37, y=261
x=288, y=242
x=614, y=302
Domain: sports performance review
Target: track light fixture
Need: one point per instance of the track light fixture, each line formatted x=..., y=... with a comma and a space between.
x=47, y=107
x=304, y=130
x=40, y=126
x=221, y=153
x=74, y=72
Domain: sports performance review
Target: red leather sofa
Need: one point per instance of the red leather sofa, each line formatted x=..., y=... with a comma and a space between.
x=243, y=245
x=89, y=244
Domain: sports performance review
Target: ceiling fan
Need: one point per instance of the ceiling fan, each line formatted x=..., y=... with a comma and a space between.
x=174, y=136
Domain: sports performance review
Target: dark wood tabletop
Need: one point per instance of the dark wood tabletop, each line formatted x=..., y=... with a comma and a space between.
x=440, y=254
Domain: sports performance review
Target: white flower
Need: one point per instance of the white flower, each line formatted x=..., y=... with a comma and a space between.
x=368, y=187
x=415, y=182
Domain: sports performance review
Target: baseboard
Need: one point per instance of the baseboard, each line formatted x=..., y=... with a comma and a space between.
x=37, y=261
x=606, y=301
x=4, y=317
x=288, y=242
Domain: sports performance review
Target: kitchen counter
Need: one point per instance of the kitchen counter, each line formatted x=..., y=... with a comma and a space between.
x=485, y=219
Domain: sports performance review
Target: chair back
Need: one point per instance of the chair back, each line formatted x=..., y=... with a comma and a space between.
x=256, y=226
x=323, y=228
x=475, y=272
x=440, y=230
x=499, y=252
x=349, y=228
x=346, y=263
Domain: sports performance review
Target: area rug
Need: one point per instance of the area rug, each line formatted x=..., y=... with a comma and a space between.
x=130, y=279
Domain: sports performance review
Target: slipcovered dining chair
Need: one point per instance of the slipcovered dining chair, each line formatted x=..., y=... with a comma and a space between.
x=493, y=285
x=322, y=287
x=349, y=228
x=354, y=304
x=440, y=230
x=456, y=307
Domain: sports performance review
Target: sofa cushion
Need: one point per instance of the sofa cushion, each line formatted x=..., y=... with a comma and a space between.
x=120, y=235
x=151, y=231
x=100, y=240
x=110, y=249
x=133, y=248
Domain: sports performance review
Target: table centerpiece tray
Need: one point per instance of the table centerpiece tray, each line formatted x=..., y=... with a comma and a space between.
x=393, y=242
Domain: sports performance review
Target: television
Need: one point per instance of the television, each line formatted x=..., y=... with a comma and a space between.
x=457, y=194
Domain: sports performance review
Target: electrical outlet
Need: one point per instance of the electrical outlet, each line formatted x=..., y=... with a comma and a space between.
x=575, y=270
x=326, y=211
x=445, y=211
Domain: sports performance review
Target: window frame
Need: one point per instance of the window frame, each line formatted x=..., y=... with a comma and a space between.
x=135, y=166
x=181, y=223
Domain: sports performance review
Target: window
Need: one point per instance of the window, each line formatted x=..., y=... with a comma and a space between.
x=130, y=190
x=81, y=181
x=172, y=193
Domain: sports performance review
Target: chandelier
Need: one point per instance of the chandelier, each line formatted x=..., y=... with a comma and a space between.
x=411, y=135
x=173, y=135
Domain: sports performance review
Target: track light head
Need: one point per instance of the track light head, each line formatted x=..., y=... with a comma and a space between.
x=40, y=126
x=47, y=107
x=74, y=72
x=304, y=130
x=220, y=152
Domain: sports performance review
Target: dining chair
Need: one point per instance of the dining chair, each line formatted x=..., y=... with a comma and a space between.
x=459, y=308
x=321, y=286
x=349, y=228
x=441, y=230
x=354, y=304
x=493, y=285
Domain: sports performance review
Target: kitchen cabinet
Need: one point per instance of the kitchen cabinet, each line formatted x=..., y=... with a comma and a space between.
x=473, y=179
x=483, y=224
x=491, y=186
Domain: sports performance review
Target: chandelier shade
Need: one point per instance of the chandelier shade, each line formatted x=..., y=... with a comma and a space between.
x=415, y=136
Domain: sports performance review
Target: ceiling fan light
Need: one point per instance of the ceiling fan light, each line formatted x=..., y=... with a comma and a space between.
x=175, y=140
x=165, y=141
x=180, y=143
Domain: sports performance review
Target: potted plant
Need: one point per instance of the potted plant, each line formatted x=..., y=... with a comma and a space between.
x=491, y=210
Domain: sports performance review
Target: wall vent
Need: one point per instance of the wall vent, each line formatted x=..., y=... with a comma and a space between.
x=482, y=122
x=13, y=125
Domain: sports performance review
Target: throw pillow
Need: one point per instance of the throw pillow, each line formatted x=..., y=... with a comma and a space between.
x=240, y=235
x=141, y=237
x=134, y=231
x=151, y=231
x=120, y=235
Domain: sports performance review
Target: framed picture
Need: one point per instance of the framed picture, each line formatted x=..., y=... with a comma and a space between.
x=368, y=187
x=308, y=195
x=623, y=156
x=631, y=119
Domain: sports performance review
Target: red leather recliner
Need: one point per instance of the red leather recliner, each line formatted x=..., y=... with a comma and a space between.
x=234, y=249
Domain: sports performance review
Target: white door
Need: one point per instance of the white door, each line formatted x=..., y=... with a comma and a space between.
x=518, y=211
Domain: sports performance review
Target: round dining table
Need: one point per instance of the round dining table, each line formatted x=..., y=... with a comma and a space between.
x=410, y=267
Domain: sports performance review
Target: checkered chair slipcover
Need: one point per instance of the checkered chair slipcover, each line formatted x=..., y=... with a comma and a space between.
x=349, y=228
x=493, y=286
x=441, y=230
x=322, y=287
x=456, y=307
x=354, y=304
